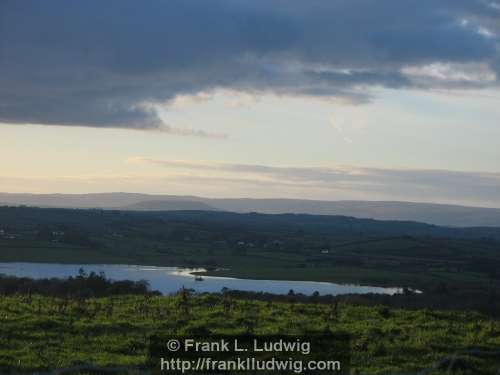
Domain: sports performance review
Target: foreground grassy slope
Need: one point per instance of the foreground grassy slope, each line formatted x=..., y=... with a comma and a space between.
x=44, y=333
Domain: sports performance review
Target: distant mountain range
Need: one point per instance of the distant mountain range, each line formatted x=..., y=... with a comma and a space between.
x=439, y=214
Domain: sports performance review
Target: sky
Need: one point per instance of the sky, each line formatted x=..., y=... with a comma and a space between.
x=316, y=99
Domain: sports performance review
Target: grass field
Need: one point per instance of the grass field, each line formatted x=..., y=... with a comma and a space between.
x=403, y=334
x=286, y=247
x=42, y=333
x=379, y=266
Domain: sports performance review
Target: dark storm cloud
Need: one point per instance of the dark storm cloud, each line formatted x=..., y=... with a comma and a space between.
x=102, y=63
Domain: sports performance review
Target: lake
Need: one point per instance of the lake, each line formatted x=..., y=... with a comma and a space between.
x=169, y=280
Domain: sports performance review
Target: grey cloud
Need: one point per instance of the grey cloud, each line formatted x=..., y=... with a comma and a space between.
x=430, y=185
x=192, y=132
x=95, y=63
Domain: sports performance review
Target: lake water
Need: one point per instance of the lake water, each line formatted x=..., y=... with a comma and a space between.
x=169, y=280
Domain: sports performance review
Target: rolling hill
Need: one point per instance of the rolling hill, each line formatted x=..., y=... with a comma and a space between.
x=438, y=214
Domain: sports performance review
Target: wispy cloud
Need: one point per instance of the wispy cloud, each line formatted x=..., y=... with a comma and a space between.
x=354, y=182
x=191, y=132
